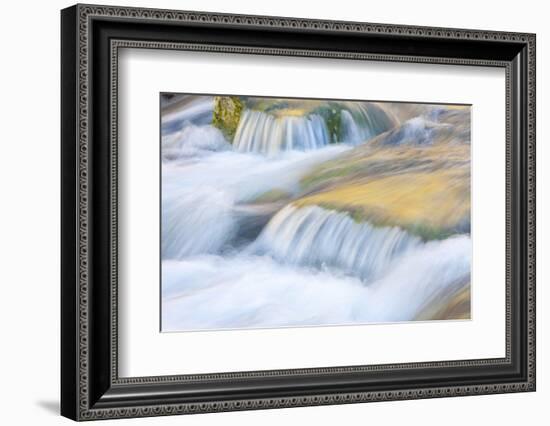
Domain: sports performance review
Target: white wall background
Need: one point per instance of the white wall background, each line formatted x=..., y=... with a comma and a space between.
x=29, y=225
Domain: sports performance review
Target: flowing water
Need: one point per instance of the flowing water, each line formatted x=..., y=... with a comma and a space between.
x=317, y=237
x=230, y=261
x=265, y=133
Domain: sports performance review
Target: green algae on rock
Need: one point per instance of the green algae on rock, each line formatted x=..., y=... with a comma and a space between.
x=227, y=114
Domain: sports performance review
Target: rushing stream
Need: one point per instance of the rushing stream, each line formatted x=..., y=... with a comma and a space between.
x=229, y=261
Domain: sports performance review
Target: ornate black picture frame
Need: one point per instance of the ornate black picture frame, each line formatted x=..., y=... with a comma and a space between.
x=90, y=39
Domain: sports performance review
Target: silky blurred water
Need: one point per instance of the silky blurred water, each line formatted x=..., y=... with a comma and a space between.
x=229, y=261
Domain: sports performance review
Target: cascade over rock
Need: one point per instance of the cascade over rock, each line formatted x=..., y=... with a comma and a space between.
x=314, y=236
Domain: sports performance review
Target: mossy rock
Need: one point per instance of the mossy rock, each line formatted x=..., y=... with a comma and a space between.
x=227, y=114
x=431, y=204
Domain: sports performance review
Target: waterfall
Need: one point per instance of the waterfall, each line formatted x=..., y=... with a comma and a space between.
x=201, y=200
x=267, y=133
x=351, y=132
x=271, y=133
x=314, y=236
x=361, y=122
x=292, y=276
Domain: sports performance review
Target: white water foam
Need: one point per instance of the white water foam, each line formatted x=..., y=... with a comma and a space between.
x=216, y=292
x=192, y=141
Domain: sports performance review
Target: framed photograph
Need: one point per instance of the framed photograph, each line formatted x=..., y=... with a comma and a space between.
x=263, y=212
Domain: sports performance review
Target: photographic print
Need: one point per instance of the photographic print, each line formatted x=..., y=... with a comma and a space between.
x=287, y=212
